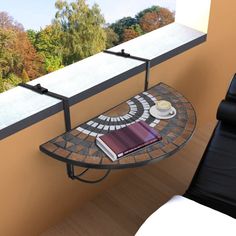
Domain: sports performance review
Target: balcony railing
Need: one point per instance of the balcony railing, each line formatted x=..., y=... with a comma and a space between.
x=21, y=108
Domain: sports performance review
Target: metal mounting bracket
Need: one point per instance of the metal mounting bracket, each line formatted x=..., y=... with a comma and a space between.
x=122, y=53
x=44, y=91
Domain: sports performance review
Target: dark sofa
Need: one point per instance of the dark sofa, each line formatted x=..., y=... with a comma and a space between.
x=214, y=183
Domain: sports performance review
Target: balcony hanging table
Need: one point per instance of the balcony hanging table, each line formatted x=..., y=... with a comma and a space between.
x=77, y=147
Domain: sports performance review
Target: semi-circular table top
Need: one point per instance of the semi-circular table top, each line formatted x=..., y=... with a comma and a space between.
x=77, y=147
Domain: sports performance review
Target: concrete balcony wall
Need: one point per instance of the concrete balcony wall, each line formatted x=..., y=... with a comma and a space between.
x=194, y=14
x=35, y=191
x=203, y=73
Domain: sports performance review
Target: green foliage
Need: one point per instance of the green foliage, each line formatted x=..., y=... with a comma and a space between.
x=16, y=51
x=112, y=37
x=49, y=45
x=11, y=82
x=6, y=56
x=48, y=41
x=137, y=28
x=132, y=32
x=82, y=31
x=119, y=26
x=53, y=63
x=13, y=79
x=10, y=60
x=1, y=84
x=145, y=21
x=25, y=77
x=147, y=10
x=31, y=36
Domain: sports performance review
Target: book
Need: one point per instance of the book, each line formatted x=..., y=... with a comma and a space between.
x=121, y=142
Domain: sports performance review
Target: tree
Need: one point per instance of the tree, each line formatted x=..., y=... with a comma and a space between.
x=122, y=24
x=129, y=34
x=12, y=81
x=10, y=61
x=49, y=45
x=7, y=22
x=1, y=83
x=83, y=34
x=48, y=40
x=166, y=16
x=31, y=36
x=143, y=12
x=156, y=19
x=132, y=32
x=53, y=63
x=137, y=29
x=112, y=38
x=25, y=77
x=16, y=51
x=32, y=62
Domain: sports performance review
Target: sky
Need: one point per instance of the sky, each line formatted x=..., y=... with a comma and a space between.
x=36, y=14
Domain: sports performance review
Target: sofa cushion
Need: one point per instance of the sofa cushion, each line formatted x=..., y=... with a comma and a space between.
x=183, y=217
x=227, y=112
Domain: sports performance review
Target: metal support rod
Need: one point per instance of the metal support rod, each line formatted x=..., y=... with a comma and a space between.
x=122, y=53
x=70, y=170
x=147, y=75
x=71, y=174
x=44, y=91
x=66, y=108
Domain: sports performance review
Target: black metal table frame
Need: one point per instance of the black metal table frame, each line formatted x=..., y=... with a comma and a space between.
x=66, y=108
x=71, y=164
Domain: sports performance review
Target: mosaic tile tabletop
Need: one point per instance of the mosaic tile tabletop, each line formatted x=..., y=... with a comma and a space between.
x=78, y=146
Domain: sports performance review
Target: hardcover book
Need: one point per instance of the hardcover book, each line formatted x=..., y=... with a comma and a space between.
x=120, y=142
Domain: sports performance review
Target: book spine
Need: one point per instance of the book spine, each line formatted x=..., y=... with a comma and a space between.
x=115, y=157
x=106, y=149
